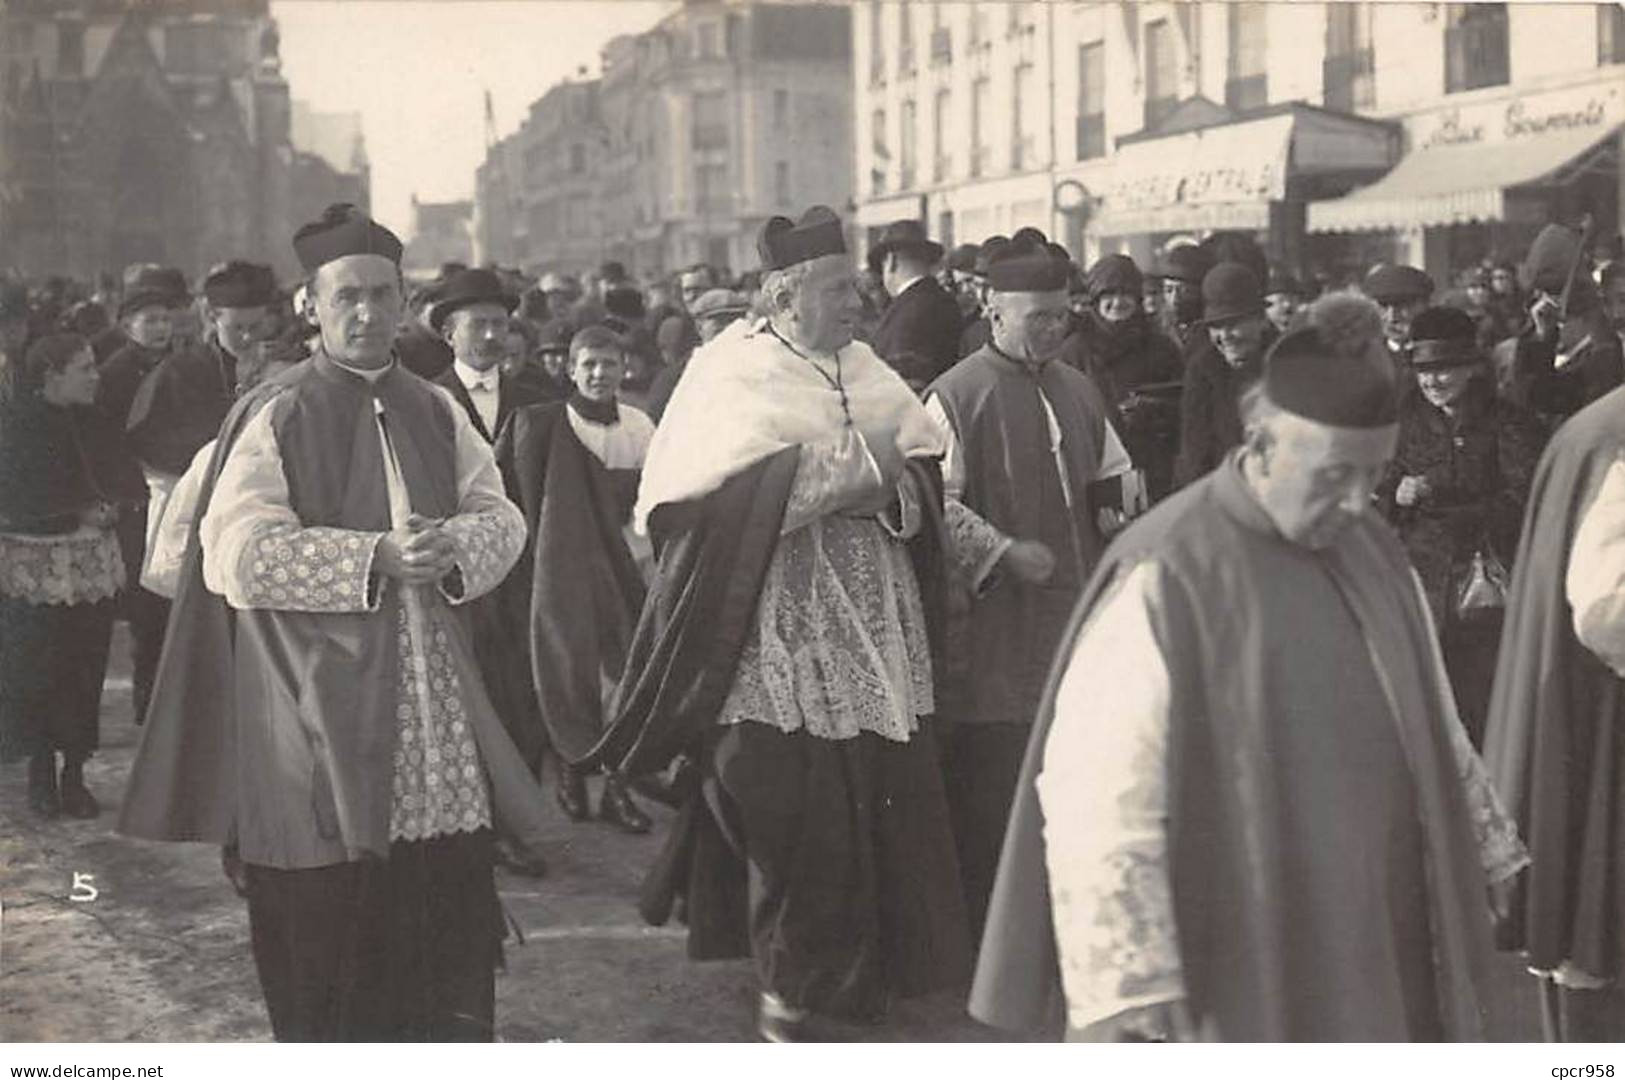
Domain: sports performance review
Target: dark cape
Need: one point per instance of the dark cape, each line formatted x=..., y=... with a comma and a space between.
x=701, y=609
x=576, y=593
x=180, y=406
x=199, y=773
x=1556, y=735
x=1241, y=956
x=55, y=462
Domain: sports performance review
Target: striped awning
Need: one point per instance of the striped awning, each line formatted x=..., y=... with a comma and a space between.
x=1449, y=185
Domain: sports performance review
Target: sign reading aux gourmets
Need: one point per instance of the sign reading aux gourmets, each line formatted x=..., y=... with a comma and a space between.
x=1232, y=163
x=1595, y=106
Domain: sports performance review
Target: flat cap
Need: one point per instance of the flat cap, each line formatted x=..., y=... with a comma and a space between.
x=1388, y=284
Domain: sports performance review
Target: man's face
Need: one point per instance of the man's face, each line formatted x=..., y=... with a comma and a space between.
x=1443, y=386
x=1314, y=481
x=75, y=383
x=1116, y=307
x=1279, y=308
x=1151, y=298
x=1183, y=298
x=1030, y=326
x=691, y=285
x=1397, y=316
x=1238, y=340
x=478, y=335
x=1478, y=294
x=358, y=305
x=240, y=329
x=597, y=373
x=826, y=308
x=1613, y=299
x=151, y=327
x=555, y=362
x=1502, y=283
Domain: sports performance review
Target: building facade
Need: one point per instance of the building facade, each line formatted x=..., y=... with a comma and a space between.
x=1122, y=126
x=330, y=161
x=142, y=133
x=441, y=232
x=724, y=114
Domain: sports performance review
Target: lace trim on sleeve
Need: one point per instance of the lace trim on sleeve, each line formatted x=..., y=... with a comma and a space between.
x=288, y=568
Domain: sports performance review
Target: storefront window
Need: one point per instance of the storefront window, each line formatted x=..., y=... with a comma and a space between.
x=1475, y=47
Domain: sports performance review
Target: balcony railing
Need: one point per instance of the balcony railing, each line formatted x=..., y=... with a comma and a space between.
x=942, y=46
x=1091, y=136
x=1475, y=55
x=1349, y=80
x=1247, y=92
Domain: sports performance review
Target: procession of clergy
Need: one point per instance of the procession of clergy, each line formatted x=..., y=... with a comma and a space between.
x=1031, y=646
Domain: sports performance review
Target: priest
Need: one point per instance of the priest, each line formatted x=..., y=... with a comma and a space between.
x=1249, y=811
x=786, y=650
x=318, y=710
x=1029, y=456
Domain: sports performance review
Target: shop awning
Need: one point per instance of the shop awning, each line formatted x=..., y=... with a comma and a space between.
x=1225, y=175
x=1447, y=185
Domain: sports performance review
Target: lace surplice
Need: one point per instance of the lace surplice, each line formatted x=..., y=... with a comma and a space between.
x=839, y=646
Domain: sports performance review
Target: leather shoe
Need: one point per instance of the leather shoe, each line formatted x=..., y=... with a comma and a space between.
x=617, y=808
x=77, y=801
x=43, y=797
x=572, y=795
x=519, y=859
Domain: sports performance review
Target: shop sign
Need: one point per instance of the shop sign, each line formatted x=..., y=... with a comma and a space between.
x=1242, y=163
x=1519, y=117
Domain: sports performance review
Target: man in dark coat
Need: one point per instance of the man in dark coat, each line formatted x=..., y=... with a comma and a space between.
x=1182, y=269
x=919, y=333
x=975, y=333
x=1568, y=355
x=1400, y=293
x=1216, y=377
x=423, y=352
x=472, y=314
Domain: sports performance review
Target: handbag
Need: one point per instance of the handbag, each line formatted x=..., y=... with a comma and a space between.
x=1483, y=591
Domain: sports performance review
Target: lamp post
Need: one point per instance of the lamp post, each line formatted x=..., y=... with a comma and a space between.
x=1074, y=203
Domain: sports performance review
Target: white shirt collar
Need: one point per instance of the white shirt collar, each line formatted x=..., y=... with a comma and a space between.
x=372, y=375
x=473, y=380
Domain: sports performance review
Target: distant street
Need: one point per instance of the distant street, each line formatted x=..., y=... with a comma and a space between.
x=162, y=953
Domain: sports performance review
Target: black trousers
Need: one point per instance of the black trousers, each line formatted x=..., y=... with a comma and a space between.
x=982, y=764
x=396, y=950
x=852, y=882
x=51, y=672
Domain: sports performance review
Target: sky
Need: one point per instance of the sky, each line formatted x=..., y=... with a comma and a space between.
x=417, y=71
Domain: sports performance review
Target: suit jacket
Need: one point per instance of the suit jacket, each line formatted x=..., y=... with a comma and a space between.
x=511, y=395
x=924, y=321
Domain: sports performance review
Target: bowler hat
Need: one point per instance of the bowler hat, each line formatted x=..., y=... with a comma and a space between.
x=1184, y=262
x=1281, y=281
x=904, y=235
x=1230, y=291
x=1388, y=284
x=469, y=287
